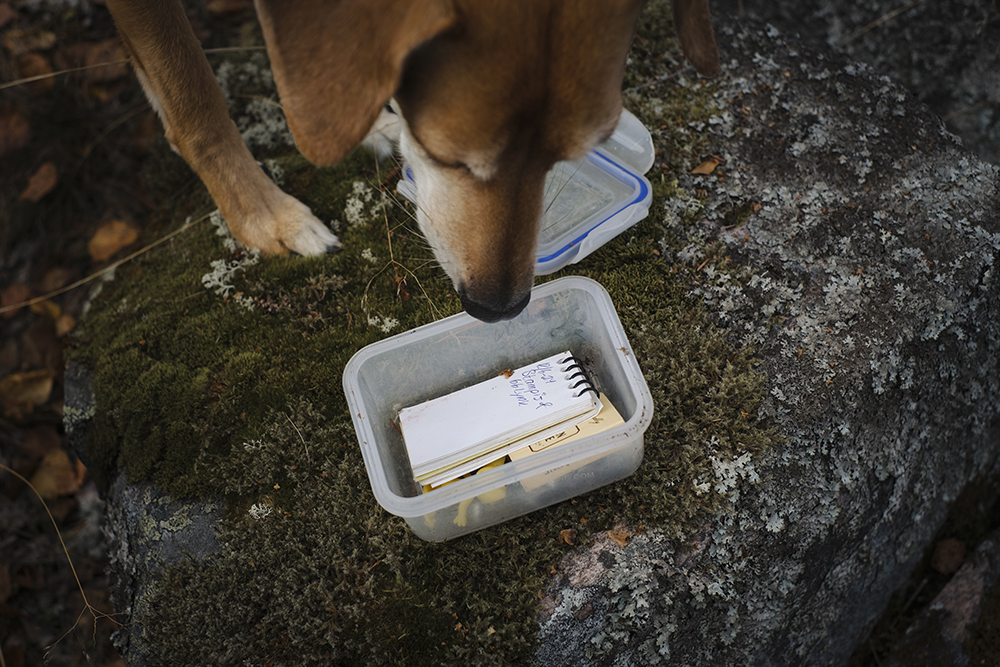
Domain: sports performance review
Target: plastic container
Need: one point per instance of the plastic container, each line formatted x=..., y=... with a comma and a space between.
x=591, y=200
x=572, y=313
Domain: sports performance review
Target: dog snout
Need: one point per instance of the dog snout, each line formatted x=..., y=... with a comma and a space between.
x=495, y=307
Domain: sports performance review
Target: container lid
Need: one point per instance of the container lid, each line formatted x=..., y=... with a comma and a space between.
x=591, y=200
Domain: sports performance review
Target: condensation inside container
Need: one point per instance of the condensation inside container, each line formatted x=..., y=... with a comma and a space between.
x=571, y=196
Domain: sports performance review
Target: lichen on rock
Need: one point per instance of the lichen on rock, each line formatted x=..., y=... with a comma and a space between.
x=863, y=274
x=231, y=396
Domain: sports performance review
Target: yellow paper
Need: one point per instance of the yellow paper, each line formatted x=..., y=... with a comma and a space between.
x=607, y=418
x=463, y=506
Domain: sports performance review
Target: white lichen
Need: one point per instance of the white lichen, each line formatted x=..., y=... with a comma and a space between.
x=260, y=511
x=384, y=324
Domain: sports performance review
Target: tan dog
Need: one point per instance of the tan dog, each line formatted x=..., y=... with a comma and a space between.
x=493, y=94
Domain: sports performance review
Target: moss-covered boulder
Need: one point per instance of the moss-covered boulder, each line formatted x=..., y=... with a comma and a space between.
x=207, y=401
x=865, y=277
x=816, y=319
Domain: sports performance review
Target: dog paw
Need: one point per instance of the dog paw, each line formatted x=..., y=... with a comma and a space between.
x=302, y=233
x=281, y=224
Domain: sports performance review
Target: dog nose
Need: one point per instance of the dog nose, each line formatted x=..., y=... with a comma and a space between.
x=492, y=311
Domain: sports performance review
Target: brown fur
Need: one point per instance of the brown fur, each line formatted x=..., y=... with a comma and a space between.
x=493, y=94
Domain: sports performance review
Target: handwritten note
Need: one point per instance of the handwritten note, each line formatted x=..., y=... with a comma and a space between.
x=459, y=432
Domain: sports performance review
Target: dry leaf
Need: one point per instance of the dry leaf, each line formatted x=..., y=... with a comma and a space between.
x=21, y=393
x=65, y=324
x=57, y=475
x=707, y=167
x=54, y=279
x=108, y=54
x=619, y=537
x=15, y=130
x=47, y=308
x=39, y=441
x=35, y=64
x=147, y=130
x=41, y=183
x=5, y=584
x=6, y=14
x=221, y=7
x=110, y=238
x=568, y=536
x=19, y=42
x=13, y=295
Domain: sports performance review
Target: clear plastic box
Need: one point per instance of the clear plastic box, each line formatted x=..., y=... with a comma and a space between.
x=591, y=200
x=572, y=313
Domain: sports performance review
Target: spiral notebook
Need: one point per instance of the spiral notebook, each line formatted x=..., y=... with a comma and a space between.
x=460, y=432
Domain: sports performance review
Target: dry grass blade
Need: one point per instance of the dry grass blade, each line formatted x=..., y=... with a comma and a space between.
x=393, y=262
x=111, y=63
x=87, y=606
x=98, y=274
x=879, y=21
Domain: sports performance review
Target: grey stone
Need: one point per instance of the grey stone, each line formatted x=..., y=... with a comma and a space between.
x=939, y=635
x=147, y=530
x=865, y=273
x=944, y=52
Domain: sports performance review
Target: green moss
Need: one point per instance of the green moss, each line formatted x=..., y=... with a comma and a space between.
x=240, y=396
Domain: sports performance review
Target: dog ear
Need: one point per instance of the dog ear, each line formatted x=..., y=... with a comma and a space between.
x=336, y=64
x=693, y=23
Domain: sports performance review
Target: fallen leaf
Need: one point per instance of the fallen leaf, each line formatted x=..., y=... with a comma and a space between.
x=39, y=441
x=35, y=64
x=12, y=295
x=10, y=353
x=567, y=535
x=147, y=130
x=40, y=348
x=15, y=130
x=6, y=14
x=65, y=324
x=30, y=576
x=54, y=279
x=57, y=475
x=21, y=393
x=107, y=60
x=220, y=7
x=15, y=655
x=110, y=238
x=41, y=183
x=19, y=42
x=619, y=537
x=47, y=308
x=707, y=167
x=5, y=587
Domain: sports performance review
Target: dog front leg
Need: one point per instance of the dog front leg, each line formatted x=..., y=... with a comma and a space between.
x=182, y=89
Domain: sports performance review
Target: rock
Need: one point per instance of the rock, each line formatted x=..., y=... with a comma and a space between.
x=145, y=528
x=944, y=52
x=859, y=243
x=864, y=242
x=148, y=530
x=943, y=632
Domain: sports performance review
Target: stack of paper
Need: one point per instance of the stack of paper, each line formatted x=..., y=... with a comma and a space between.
x=461, y=432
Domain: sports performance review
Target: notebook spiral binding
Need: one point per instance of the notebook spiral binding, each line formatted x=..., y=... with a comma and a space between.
x=585, y=382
